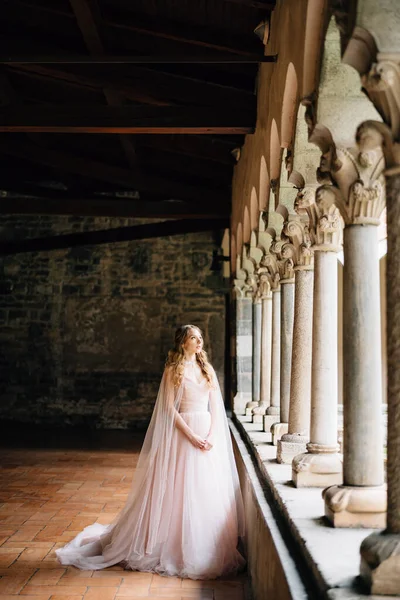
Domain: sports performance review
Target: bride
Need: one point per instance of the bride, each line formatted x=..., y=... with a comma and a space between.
x=184, y=513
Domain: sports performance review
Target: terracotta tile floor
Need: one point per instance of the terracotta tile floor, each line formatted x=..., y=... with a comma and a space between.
x=47, y=496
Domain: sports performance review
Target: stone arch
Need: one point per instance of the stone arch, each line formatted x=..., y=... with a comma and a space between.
x=264, y=185
x=274, y=152
x=254, y=210
x=239, y=238
x=289, y=107
x=246, y=226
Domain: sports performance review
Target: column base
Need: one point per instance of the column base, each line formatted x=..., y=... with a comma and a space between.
x=259, y=412
x=289, y=446
x=269, y=421
x=380, y=563
x=239, y=403
x=278, y=430
x=350, y=506
x=319, y=468
x=249, y=408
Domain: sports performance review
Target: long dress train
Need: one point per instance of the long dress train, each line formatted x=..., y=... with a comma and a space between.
x=184, y=514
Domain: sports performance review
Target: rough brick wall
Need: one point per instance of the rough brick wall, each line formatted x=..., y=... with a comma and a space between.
x=84, y=332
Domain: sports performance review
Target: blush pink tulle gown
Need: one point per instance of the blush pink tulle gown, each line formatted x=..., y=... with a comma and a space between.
x=184, y=515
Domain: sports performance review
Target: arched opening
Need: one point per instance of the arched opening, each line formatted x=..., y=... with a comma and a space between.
x=239, y=239
x=254, y=210
x=264, y=185
x=246, y=226
x=289, y=107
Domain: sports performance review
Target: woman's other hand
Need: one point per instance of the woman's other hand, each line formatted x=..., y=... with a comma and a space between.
x=198, y=441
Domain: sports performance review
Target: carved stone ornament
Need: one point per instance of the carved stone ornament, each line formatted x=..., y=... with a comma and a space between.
x=350, y=506
x=269, y=266
x=283, y=252
x=264, y=286
x=358, y=184
x=325, y=222
x=298, y=233
x=250, y=286
x=380, y=563
x=382, y=85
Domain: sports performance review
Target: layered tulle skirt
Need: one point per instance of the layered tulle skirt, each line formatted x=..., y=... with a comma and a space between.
x=197, y=533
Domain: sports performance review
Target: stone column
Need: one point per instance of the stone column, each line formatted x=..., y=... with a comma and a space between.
x=321, y=465
x=256, y=384
x=380, y=552
x=266, y=333
x=287, y=317
x=244, y=350
x=294, y=442
x=359, y=193
x=272, y=413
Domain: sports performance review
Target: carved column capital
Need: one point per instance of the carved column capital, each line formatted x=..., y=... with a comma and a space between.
x=282, y=252
x=298, y=234
x=325, y=222
x=354, y=181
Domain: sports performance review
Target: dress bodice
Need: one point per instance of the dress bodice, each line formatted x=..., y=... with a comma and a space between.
x=195, y=396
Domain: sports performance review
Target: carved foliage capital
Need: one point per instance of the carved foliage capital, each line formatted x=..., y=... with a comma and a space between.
x=298, y=234
x=283, y=253
x=325, y=223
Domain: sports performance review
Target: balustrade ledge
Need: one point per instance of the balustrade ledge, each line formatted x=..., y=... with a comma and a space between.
x=299, y=512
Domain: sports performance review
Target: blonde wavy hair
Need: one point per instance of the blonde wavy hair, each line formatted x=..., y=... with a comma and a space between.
x=176, y=357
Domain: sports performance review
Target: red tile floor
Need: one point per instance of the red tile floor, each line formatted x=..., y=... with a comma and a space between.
x=48, y=495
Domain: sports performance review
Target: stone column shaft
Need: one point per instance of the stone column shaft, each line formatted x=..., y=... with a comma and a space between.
x=361, y=501
x=380, y=552
x=294, y=442
x=256, y=368
x=287, y=317
x=266, y=341
x=272, y=414
x=321, y=465
x=244, y=352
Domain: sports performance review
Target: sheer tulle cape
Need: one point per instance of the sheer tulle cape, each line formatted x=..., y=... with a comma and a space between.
x=142, y=526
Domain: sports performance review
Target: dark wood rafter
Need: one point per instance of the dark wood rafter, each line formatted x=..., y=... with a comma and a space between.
x=123, y=178
x=147, y=86
x=126, y=119
x=128, y=19
x=164, y=73
x=177, y=59
x=89, y=21
x=111, y=207
x=121, y=234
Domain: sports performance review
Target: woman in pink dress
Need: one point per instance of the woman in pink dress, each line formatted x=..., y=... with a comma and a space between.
x=184, y=515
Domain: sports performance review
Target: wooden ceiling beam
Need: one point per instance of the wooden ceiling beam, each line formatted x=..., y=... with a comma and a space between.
x=98, y=171
x=128, y=19
x=112, y=236
x=162, y=59
x=111, y=207
x=127, y=120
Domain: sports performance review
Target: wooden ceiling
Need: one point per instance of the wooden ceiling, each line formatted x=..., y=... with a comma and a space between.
x=125, y=107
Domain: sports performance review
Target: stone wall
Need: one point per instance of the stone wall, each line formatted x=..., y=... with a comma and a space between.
x=84, y=332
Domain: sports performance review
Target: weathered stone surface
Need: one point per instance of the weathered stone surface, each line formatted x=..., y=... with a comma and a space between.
x=85, y=331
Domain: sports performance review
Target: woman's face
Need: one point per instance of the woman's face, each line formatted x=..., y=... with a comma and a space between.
x=194, y=341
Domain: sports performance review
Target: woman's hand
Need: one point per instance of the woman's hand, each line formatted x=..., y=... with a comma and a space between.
x=197, y=441
x=209, y=443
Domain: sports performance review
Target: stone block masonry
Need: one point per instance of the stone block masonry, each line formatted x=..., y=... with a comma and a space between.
x=84, y=332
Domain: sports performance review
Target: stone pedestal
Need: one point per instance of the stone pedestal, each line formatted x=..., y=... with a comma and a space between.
x=287, y=316
x=380, y=552
x=266, y=343
x=321, y=465
x=294, y=442
x=361, y=501
x=277, y=431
